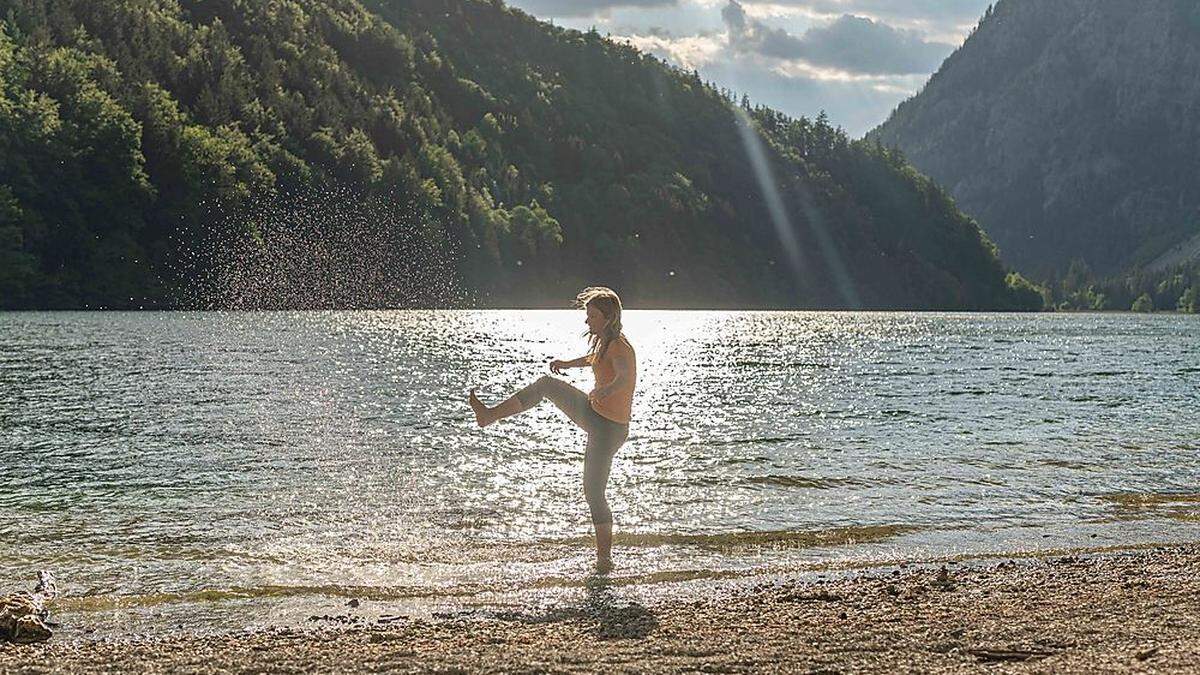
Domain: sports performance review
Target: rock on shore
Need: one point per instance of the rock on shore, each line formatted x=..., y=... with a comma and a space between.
x=23, y=615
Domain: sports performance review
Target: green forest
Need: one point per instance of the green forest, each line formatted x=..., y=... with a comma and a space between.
x=1176, y=289
x=376, y=153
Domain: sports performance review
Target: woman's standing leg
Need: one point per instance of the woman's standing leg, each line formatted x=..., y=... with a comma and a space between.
x=569, y=399
x=603, y=441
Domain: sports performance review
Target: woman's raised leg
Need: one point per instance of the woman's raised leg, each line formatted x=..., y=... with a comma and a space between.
x=568, y=398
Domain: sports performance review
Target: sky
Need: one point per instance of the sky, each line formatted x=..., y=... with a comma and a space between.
x=854, y=59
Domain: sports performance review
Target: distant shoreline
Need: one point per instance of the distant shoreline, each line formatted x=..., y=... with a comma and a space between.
x=1115, y=611
x=1099, y=312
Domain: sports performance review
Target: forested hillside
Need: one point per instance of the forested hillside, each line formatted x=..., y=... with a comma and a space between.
x=1069, y=129
x=1173, y=289
x=334, y=153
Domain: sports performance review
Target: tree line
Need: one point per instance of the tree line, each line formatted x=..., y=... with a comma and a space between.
x=1174, y=289
x=144, y=139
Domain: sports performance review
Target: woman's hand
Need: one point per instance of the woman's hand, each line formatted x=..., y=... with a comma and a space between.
x=557, y=366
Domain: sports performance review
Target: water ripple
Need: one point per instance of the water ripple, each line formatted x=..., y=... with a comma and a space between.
x=176, y=455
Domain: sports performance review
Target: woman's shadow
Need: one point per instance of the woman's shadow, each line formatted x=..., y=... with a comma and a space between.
x=614, y=619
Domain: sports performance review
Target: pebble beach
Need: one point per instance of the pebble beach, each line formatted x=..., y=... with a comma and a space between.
x=1115, y=611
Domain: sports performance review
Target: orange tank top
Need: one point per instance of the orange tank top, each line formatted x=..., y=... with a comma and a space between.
x=617, y=405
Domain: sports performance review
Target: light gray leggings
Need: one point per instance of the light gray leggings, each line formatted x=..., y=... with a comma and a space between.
x=604, y=436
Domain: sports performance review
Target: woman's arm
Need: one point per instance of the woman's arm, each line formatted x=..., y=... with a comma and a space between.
x=557, y=366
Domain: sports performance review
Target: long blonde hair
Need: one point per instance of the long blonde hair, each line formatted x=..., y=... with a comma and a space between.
x=608, y=303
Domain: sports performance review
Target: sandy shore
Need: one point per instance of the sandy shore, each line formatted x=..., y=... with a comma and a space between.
x=1121, y=611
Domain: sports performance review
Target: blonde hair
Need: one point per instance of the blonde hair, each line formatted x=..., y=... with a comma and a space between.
x=608, y=303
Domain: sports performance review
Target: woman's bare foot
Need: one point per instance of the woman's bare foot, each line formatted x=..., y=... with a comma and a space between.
x=483, y=414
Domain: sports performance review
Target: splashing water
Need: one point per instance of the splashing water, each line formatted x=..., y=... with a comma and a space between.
x=324, y=249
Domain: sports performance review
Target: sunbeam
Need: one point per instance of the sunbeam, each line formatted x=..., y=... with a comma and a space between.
x=757, y=155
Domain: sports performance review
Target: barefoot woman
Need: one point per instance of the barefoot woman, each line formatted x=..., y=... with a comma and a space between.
x=603, y=414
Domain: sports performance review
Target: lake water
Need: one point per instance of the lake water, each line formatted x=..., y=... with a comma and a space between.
x=215, y=469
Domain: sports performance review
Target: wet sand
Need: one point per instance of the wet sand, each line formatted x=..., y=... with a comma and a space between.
x=1120, y=611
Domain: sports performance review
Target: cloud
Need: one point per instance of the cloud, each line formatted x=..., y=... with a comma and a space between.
x=575, y=8
x=856, y=101
x=849, y=43
x=691, y=51
x=938, y=20
x=958, y=9
x=855, y=59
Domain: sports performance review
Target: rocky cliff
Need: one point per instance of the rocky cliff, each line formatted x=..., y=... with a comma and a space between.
x=1069, y=129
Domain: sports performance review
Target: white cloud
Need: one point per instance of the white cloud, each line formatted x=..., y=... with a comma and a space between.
x=850, y=43
x=935, y=20
x=582, y=8
x=689, y=52
x=797, y=69
x=855, y=59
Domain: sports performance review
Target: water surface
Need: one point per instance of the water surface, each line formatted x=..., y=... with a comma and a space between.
x=173, y=467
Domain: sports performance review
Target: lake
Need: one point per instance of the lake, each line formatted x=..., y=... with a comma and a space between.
x=214, y=469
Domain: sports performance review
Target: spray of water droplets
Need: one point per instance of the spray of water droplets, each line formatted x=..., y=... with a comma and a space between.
x=331, y=248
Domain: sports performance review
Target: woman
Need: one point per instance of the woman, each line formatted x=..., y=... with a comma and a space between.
x=604, y=413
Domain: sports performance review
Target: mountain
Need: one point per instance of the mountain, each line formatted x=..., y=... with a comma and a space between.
x=1071, y=131
x=345, y=153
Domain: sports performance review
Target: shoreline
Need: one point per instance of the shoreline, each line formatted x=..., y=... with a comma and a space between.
x=556, y=308
x=1133, y=609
